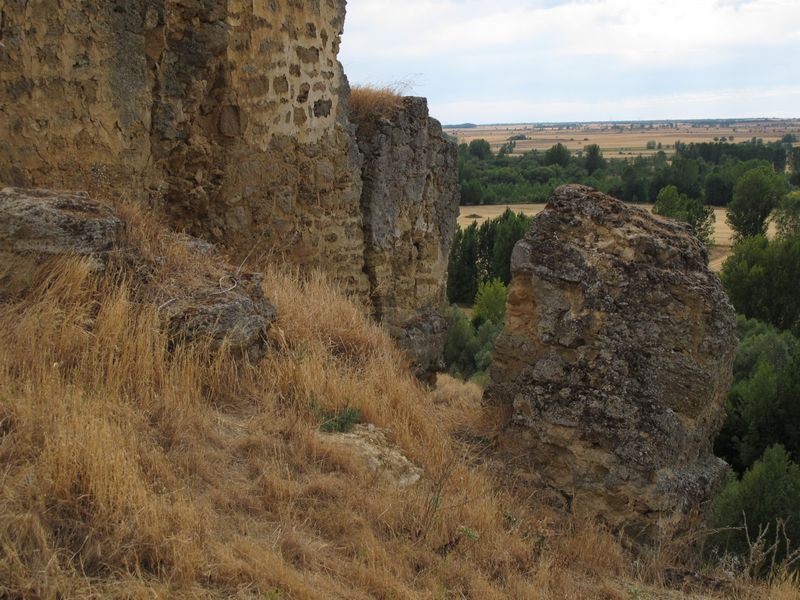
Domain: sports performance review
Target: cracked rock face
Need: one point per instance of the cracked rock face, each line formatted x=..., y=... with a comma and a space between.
x=409, y=204
x=614, y=364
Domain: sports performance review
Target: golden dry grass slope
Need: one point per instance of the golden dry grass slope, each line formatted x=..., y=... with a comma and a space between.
x=132, y=472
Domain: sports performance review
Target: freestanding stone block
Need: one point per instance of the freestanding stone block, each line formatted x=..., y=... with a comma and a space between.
x=614, y=363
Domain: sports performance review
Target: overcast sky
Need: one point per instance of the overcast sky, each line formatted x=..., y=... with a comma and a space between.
x=490, y=61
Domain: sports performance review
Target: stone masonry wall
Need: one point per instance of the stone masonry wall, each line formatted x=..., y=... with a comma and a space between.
x=228, y=115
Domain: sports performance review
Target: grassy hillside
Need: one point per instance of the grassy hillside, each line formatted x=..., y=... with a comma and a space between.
x=129, y=471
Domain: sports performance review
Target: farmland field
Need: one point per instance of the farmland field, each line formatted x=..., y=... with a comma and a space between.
x=723, y=235
x=620, y=140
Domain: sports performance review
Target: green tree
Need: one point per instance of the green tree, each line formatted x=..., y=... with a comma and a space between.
x=471, y=192
x=462, y=276
x=490, y=302
x=594, y=159
x=760, y=408
x=756, y=194
x=767, y=492
x=671, y=203
x=480, y=149
x=762, y=279
x=557, y=155
x=469, y=350
x=787, y=216
x=510, y=229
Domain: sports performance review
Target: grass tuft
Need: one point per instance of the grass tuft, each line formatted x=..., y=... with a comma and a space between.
x=370, y=102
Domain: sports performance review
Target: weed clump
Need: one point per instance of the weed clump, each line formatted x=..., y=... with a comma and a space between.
x=369, y=102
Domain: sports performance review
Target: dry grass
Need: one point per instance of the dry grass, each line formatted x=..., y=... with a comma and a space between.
x=130, y=472
x=369, y=101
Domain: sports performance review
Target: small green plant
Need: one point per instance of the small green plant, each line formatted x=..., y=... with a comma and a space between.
x=274, y=594
x=341, y=421
x=468, y=533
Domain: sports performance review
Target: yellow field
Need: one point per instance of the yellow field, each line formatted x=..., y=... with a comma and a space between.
x=723, y=234
x=621, y=139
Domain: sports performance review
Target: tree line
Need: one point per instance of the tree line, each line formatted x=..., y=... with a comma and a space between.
x=706, y=172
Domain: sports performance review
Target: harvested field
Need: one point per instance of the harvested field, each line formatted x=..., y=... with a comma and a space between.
x=619, y=140
x=723, y=234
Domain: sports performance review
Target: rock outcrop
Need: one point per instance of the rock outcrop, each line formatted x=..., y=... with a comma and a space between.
x=381, y=456
x=410, y=204
x=217, y=304
x=43, y=222
x=237, y=317
x=614, y=364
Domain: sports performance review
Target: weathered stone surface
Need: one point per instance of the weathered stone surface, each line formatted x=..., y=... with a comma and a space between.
x=410, y=204
x=381, y=456
x=422, y=335
x=237, y=316
x=230, y=310
x=228, y=115
x=231, y=118
x=614, y=363
x=44, y=222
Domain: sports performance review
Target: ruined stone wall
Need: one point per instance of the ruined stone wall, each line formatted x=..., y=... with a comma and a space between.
x=228, y=115
x=410, y=206
x=74, y=99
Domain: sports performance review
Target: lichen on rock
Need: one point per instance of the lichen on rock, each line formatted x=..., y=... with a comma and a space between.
x=613, y=367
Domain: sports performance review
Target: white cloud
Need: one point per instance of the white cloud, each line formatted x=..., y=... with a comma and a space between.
x=635, y=31
x=747, y=102
x=503, y=58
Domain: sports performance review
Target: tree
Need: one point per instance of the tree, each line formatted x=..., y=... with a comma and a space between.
x=767, y=492
x=480, y=149
x=762, y=279
x=557, y=155
x=462, y=277
x=756, y=194
x=594, y=158
x=468, y=351
x=510, y=229
x=761, y=408
x=490, y=302
x=787, y=215
x=718, y=189
x=671, y=203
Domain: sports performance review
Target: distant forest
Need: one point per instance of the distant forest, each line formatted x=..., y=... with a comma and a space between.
x=707, y=172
